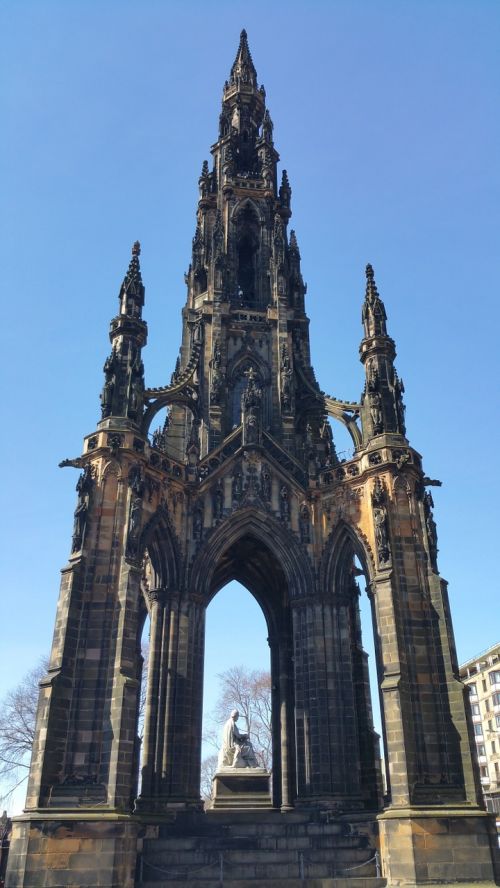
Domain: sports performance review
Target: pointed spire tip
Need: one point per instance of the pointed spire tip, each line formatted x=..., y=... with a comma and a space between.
x=136, y=248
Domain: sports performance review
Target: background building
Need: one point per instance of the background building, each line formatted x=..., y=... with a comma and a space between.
x=482, y=677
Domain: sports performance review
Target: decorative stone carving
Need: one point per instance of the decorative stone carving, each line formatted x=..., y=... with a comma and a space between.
x=152, y=487
x=92, y=443
x=159, y=441
x=114, y=442
x=375, y=459
x=401, y=457
x=382, y=543
x=84, y=488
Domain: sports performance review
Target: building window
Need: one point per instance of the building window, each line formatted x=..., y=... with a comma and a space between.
x=493, y=747
x=478, y=730
x=496, y=699
x=481, y=749
x=484, y=771
x=475, y=709
x=472, y=689
x=497, y=720
x=485, y=686
x=495, y=677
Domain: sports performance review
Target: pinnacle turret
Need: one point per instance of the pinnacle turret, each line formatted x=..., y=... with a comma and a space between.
x=131, y=294
x=373, y=315
x=122, y=394
x=382, y=402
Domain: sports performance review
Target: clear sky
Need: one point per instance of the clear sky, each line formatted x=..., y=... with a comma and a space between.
x=386, y=118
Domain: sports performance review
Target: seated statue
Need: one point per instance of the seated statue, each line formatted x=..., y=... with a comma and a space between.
x=236, y=750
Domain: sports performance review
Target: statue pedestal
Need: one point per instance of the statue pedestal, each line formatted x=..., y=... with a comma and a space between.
x=240, y=788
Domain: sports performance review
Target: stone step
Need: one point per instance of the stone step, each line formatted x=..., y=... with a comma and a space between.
x=169, y=858
x=203, y=870
x=356, y=882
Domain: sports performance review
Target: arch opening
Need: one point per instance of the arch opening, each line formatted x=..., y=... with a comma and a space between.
x=237, y=674
x=348, y=579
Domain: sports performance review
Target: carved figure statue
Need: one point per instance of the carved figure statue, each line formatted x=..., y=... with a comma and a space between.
x=83, y=488
x=375, y=401
x=431, y=528
x=381, y=536
x=237, y=485
x=304, y=525
x=218, y=501
x=134, y=526
x=266, y=482
x=198, y=523
x=236, y=750
x=284, y=503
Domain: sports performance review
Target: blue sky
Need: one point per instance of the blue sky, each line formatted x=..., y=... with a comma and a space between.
x=386, y=118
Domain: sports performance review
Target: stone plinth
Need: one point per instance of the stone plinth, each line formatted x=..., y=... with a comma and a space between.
x=240, y=788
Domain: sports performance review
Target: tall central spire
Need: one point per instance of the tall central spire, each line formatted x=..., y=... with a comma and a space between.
x=243, y=70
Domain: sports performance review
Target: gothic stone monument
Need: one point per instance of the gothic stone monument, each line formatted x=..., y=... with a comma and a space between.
x=242, y=482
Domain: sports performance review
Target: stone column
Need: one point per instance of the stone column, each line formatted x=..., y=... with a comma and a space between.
x=286, y=733
x=122, y=710
x=152, y=699
x=394, y=711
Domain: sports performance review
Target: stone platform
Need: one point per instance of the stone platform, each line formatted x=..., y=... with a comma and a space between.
x=241, y=789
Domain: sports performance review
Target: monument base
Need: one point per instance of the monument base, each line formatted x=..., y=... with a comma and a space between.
x=241, y=788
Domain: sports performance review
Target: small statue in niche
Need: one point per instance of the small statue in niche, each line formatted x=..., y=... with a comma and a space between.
x=266, y=482
x=216, y=387
x=430, y=526
x=134, y=526
x=375, y=404
x=251, y=429
x=284, y=503
x=109, y=386
x=305, y=525
x=136, y=480
x=237, y=485
x=286, y=380
x=198, y=522
x=400, y=407
x=218, y=501
x=83, y=488
x=250, y=407
x=236, y=750
x=381, y=526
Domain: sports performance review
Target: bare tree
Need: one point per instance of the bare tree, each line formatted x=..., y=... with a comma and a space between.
x=248, y=691
x=17, y=730
x=208, y=769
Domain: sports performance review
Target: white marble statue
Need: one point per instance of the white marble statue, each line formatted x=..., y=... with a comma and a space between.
x=236, y=750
